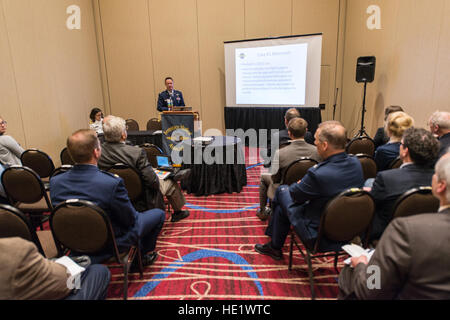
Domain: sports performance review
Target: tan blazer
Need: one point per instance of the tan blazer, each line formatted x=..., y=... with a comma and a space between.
x=285, y=156
x=26, y=275
x=413, y=257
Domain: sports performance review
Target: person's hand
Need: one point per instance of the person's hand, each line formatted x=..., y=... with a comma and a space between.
x=368, y=189
x=299, y=181
x=358, y=260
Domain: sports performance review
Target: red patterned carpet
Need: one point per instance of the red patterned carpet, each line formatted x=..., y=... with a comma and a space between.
x=210, y=255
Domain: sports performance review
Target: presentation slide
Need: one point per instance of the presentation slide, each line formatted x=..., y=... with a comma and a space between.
x=273, y=72
x=271, y=75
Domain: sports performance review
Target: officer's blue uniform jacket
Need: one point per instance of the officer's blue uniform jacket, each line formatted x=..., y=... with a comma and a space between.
x=177, y=100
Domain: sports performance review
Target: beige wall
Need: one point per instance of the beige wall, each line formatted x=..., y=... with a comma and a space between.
x=413, y=60
x=151, y=39
x=49, y=75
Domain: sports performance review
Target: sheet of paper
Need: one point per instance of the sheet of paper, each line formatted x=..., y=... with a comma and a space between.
x=73, y=268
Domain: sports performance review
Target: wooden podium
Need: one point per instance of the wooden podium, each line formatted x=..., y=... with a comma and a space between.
x=183, y=112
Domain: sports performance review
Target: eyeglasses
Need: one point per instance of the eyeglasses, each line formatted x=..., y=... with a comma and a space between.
x=3, y=123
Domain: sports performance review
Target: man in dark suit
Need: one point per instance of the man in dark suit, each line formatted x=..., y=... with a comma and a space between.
x=169, y=96
x=418, y=151
x=114, y=150
x=412, y=259
x=85, y=181
x=283, y=157
x=440, y=126
x=302, y=203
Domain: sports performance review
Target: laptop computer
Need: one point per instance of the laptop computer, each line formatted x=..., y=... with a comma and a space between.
x=164, y=163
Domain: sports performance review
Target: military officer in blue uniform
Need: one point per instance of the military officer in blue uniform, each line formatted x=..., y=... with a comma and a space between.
x=87, y=182
x=170, y=95
x=301, y=204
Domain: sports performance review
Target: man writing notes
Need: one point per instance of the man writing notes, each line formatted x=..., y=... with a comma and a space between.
x=169, y=97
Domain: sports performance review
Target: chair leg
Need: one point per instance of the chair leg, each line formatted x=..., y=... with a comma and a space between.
x=141, y=267
x=311, y=275
x=336, y=261
x=291, y=249
x=125, y=281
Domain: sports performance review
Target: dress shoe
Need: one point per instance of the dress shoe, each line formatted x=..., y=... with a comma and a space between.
x=269, y=251
x=177, y=216
x=264, y=214
x=147, y=260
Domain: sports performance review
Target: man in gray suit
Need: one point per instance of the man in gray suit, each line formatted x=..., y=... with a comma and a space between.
x=114, y=150
x=412, y=259
x=27, y=275
x=283, y=157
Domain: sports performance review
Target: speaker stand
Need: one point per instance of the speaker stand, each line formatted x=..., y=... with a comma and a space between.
x=362, y=132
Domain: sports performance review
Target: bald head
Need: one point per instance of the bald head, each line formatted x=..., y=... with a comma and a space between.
x=334, y=133
x=83, y=146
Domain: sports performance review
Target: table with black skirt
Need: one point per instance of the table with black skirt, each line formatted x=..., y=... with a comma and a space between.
x=218, y=167
x=138, y=138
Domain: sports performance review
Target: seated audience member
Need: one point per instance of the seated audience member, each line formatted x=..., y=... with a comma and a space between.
x=282, y=159
x=96, y=120
x=381, y=137
x=281, y=138
x=10, y=150
x=440, y=126
x=396, y=124
x=412, y=259
x=301, y=204
x=85, y=181
x=114, y=150
x=27, y=275
x=418, y=151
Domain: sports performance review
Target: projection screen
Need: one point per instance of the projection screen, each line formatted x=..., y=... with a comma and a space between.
x=275, y=72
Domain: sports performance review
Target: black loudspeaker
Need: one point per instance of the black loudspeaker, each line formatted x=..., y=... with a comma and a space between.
x=365, y=69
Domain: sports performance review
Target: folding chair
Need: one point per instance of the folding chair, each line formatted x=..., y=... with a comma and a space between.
x=82, y=227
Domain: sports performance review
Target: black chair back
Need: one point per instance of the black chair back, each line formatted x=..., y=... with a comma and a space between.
x=65, y=157
x=132, y=125
x=361, y=145
x=63, y=168
x=154, y=124
x=368, y=164
x=396, y=163
x=415, y=201
x=297, y=170
x=152, y=151
x=131, y=178
x=24, y=185
x=39, y=161
x=81, y=226
x=13, y=223
x=346, y=216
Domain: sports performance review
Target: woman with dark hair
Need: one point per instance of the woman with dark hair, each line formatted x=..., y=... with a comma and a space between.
x=380, y=136
x=96, y=122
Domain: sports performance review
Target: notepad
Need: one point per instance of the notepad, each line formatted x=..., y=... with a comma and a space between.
x=355, y=251
x=71, y=266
